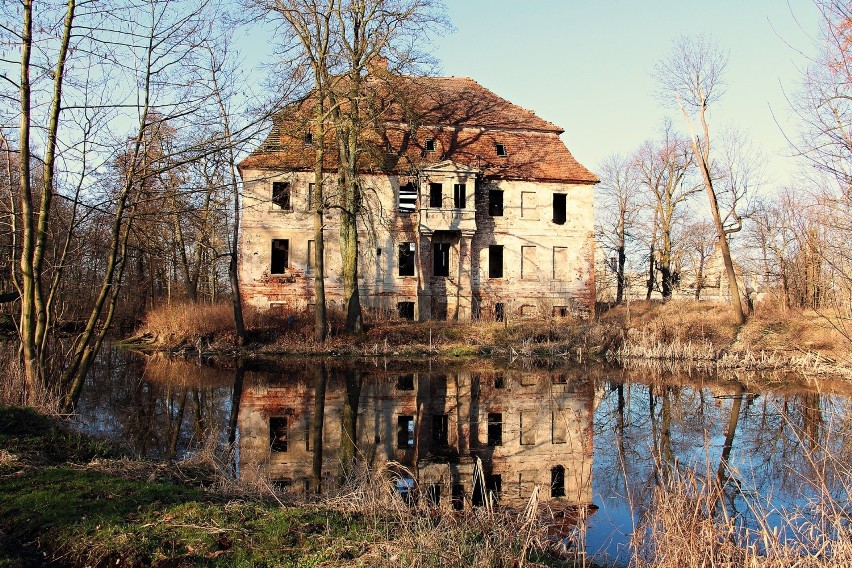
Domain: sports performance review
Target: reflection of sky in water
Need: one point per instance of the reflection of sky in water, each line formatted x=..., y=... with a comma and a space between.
x=769, y=469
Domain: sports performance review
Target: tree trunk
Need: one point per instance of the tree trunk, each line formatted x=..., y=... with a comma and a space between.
x=622, y=258
x=233, y=258
x=349, y=426
x=349, y=253
x=318, y=424
x=32, y=374
x=703, y=161
x=318, y=203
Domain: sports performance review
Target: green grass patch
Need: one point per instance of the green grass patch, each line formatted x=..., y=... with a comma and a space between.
x=35, y=438
x=462, y=351
x=87, y=517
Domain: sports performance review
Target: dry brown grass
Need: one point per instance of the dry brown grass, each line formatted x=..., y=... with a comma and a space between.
x=687, y=525
x=179, y=323
x=415, y=533
x=795, y=330
x=678, y=330
x=683, y=321
x=13, y=390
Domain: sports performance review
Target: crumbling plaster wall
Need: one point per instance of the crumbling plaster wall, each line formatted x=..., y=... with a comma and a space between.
x=527, y=221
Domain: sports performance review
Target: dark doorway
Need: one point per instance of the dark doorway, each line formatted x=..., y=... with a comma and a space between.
x=441, y=259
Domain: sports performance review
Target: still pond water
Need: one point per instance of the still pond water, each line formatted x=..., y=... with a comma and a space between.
x=588, y=434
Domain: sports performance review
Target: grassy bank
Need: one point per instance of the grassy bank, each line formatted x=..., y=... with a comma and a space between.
x=70, y=500
x=676, y=331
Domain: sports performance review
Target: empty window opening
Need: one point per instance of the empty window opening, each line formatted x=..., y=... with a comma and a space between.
x=309, y=442
x=478, y=496
x=406, y=259
x=561, y=311
x=440, y=429
x=495, y=261
x=494, y=484
x=430, y=145
x=405, y=432
x=495, y=202
x=499, y=381
x=458, y=497
x=407, y=198
x=439, y=385
x=281, y=194
x=405, y=487
x=441, y=259
x=499, y=311
x=493, y=488
x=459, y=196
x=433, y=493
x=500, y=149
x=280, y=256
x=529, y=263
x=559, y=428
x=309, y=261
x=405, y=382
x=436, y=195
x=495, y=429
x=309, y=139
x=528, y=427
x=559, y=211
x=278, y=433
x=559, y=379
x=557, y=481
x=405, y=310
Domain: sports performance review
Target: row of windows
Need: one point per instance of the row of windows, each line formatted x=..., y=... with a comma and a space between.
x=279, y=431
x=493, y=486
x=499, y=148
x=282, y=199
x=406, y=259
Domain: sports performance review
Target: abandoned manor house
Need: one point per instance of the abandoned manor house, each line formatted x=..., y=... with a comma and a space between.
x=473, y=207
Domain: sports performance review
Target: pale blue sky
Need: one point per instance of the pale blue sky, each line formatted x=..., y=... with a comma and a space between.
x=585, y=65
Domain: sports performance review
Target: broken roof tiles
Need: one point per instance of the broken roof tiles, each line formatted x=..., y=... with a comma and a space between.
x=466, y=121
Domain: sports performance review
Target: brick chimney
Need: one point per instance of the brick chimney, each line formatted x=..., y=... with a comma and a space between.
x=377, y=64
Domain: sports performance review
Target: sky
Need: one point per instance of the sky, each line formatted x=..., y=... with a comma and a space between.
x=586, y=65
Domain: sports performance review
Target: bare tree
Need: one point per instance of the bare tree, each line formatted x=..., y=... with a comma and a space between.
x=663, y=169
x=618, y=207
x=347, y=45
x=693, y=76
x=699, y=242
x=824, y=104
x=313, y=24
x=108, y=68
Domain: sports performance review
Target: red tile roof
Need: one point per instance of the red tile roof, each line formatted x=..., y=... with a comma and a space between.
x=465, y=119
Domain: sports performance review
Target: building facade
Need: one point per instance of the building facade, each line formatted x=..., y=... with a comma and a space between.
x=472, y=208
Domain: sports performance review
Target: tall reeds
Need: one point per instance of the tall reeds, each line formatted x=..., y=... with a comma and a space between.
x=689, y=520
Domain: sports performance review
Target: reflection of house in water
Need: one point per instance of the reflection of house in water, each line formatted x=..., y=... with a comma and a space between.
x=529, y=428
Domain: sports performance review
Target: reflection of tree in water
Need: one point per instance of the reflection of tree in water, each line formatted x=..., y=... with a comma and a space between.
x=763, y=443
x=157, y=407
